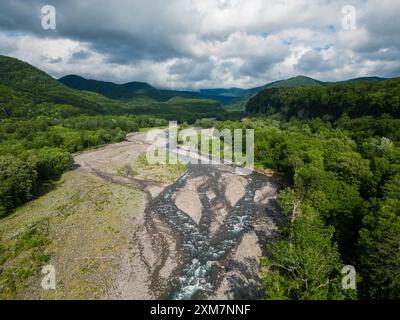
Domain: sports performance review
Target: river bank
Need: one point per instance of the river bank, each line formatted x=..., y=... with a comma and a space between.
x=119, y=228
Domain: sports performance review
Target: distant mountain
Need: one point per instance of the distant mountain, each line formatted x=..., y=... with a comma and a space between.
x=135, y=89
x=357, y=98
x=299, y=81
x=236, y=98
x=108, y=89
x=124, y=91
x=223, y=96
x=365, y=79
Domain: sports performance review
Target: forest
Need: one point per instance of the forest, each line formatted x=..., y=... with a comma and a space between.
x=330, y=101
x=342, y=187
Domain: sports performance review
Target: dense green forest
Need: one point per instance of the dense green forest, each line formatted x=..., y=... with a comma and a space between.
x=35, y=151
x=338, y=146
x=341, y=163
x=124, y=91
x=330, y=101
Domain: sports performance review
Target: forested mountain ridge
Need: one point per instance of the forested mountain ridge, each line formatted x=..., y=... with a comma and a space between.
x=356, y=98
x=237, y=95
x=243, y=96
x=298, y=81
x=39, y=93
x=365, y=79
x=108, y=89
x=26, y=91
x=225, y=96
x=25, y=77
x=124, y=91
x=134, y=89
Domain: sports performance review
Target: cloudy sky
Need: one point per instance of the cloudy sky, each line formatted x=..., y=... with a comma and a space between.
x=192, y=44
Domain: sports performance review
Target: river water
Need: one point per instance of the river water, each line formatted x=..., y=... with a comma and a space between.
x=202, y=251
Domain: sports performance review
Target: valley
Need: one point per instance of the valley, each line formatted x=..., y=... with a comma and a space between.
x=170, y=232
x=77, y=192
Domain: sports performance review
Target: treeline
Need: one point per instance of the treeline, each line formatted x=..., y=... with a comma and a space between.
x=35, y=151
x=357, y=99
x=179, y=109
x=342, y=202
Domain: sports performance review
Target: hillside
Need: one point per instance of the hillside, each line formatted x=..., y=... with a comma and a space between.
x=236, y=99
x=365, y=79
x=224, y=96
x=232, y=98
x=32, y=87
x=124, y=91
x=178, y=108
x=356, y=98
x=299, y=81
x=26, y=91
x=108, y=89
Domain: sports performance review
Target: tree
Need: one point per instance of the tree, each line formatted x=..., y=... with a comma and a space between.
x=17, y=179
x=50, y=162
x=380, y=245
x=306, y=265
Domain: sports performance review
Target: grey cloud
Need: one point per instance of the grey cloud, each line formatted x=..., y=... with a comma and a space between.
x=257, y=66
x=313, y=61
x=191, y=70
x=208, y=42
x=80, y=55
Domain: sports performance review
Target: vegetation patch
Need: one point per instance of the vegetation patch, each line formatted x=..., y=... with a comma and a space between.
x=83, y=227
x=342, y=204
x=166, y=173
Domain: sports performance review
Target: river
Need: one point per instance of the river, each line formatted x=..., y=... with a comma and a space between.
x=203, y=249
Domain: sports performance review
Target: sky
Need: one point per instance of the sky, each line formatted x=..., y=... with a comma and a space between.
x=193, y=44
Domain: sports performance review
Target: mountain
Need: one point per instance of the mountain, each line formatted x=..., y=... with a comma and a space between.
x=223, y=96
x=25, y=77
x=26, y=91
x=356, y=98
x=235, y=99
x=21, y=80
x=299, y=81
x=109, y=89
x=242, y=97
x=365, y=79
x=124, y=91
x=135, y=89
